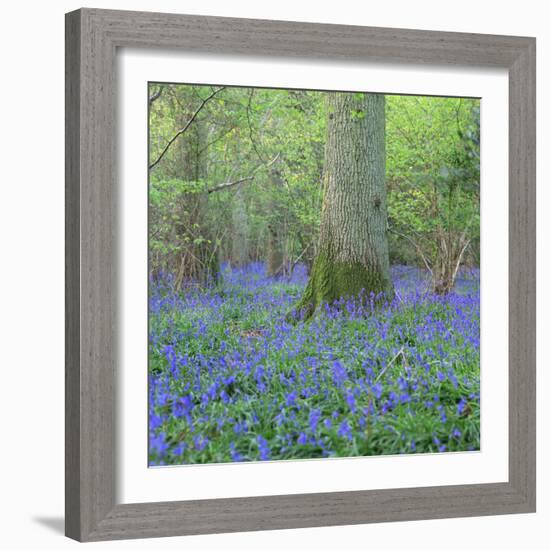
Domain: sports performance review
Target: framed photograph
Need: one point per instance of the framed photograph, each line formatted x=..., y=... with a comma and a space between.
x=300, y=275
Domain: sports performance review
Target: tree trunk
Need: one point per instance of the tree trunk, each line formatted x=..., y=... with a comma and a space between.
x=352, y=252
x=274, y=233
x=274, y=252
x=198, y=260
x=240, y=231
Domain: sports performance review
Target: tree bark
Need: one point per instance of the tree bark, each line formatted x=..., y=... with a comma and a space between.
x=352, y=252
x=240, y=231
x=198, y=259
x=275, y=253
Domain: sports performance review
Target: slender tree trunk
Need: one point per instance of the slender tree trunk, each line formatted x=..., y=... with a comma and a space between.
x=198, y=258
x=352, y=252
x=240, y=231
x=207, y=250
x=274, y=252
x=274, y=227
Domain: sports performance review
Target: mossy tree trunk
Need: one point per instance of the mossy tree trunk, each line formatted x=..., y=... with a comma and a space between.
x=352, y=252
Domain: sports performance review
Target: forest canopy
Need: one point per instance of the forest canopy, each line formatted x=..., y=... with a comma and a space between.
x=237, y=175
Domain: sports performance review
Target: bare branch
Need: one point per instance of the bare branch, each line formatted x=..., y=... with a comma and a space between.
x=416, y=246
x=459, y=259
x=250, y=131
x=156, y=95
x=215, y=140
x=227, y=185
x=296, y=261
x=388, y=365
x=184, y=129
x=274, y=159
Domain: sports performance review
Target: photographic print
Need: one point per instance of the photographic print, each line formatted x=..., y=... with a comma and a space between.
x=314, y=276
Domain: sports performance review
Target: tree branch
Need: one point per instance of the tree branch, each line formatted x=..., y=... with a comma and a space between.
x=295, y=262
x=388, y=365
x=250, y=131
x=156, y=95
x=416, y=246
x=229, y=184
x=459, y=259
x=184, y=129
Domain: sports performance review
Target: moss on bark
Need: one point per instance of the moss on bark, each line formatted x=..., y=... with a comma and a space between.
x=330, y=281
x=353, y=247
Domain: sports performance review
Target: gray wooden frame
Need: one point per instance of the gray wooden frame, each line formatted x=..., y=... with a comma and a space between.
x=92, y=38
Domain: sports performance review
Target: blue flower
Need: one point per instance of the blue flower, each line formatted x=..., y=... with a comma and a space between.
x=158, y=444
x=339, y=374
x=200, y=442
x=350, y=400
x=235, y=455
x=377, y=389
x=291, y=399
x=314, y=417
x=263, y=447
x=344, y=430
x=178, y=451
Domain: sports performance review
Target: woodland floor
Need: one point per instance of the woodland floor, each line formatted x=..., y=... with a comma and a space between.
x=231, y=380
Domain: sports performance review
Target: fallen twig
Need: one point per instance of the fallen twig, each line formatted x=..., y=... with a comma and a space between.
x=383, y=371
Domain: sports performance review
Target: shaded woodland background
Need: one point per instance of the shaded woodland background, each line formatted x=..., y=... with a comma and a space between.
x=236, y=176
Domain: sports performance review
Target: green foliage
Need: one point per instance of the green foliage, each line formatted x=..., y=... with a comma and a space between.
x=274, y=141
x=241, y=173
x=405, y=380
x=274, y=138
x=432, y=170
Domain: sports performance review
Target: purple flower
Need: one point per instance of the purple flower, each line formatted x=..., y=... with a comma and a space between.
x=178, y=451
x=291, y=399
x=158, y=444
x=339, y=375
x=200, y=442
x=350, y=400
x=263, y=447
x=235, y=455
x=377, y=389
x=344, y=430
x=314, y=417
